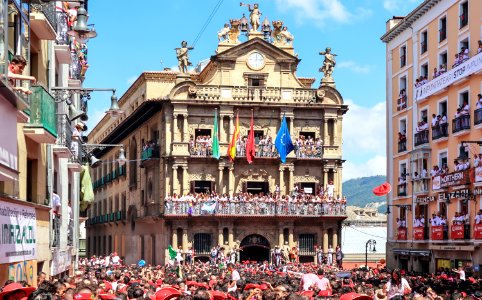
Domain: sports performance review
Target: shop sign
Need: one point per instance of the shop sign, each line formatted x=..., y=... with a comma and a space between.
x=478, y=174
x=451, y=248
x=457, y=232
x=458, y=194
x=26, y=270
x=17, y=232
x=419, y=233
x=402, y=234
x=478, y=191
x=452, y=179
x=437, y=233
x=61, y=261
x=478, y=231
x=425, y=199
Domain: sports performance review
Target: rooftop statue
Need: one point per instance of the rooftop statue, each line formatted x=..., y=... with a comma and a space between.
x=223, y=33
x=328, y=64
x=281, y=35
x=254, y=15
x=183, y=57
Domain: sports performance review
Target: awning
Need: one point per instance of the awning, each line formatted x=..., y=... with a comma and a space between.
x=425, y=253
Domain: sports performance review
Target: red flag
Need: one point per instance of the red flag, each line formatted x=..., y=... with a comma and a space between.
x=234, y=140
x=250, y=147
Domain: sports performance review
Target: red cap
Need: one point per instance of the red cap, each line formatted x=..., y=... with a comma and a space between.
x=382, y=190
x=355, y=296
x=106, y=296
x=218, y=295
x=203, y=285
x=15, y=286
x=263, y=286
x=159, y=282
x=250, y=286
x=84, y=296
x=166, y=294
x=108, y=286
x=324, y=293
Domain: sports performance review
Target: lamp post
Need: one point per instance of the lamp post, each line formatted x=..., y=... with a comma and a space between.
x=95, y=162
x=370, y=243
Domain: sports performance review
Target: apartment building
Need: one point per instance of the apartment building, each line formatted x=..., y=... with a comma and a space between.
x=434, y=122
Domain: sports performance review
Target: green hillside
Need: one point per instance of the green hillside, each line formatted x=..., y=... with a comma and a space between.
x=358, y=191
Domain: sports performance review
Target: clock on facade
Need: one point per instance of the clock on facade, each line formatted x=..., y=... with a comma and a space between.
x=256, y=61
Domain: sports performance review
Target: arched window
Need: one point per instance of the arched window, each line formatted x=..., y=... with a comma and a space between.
x=133, y=163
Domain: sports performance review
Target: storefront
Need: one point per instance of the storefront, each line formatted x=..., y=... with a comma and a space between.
x=18, y=257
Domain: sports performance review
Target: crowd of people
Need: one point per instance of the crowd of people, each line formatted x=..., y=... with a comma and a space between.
x=102, y=278
x=439, y=219
x=298, y=203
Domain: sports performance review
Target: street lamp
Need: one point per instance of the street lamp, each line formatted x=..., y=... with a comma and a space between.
x=370, y=243
x=94, y=161
x=406, y=206
x=81, y=31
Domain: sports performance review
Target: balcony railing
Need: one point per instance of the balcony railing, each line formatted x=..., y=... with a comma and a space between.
x=202, y=150
x=150, y=152
x=438, y=233
x=461, y=123
x=421, y=185
x=254, y=209
x=401, y=103
x=402, y=146
x=62, y=28
x=478, y=116
x=64, y=131
x=421, y=137
x=440, y=131
x=307, y=151
x=75, y=67
x=401, y=233
x=48, y=9
x=43, y=110
x=460, y=232
x=402, y=189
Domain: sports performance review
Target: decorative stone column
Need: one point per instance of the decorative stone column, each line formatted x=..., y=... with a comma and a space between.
x=220, y=236
x=220, y=180
x=185, y=128
x=292, y=120
x=175, y=188
x=281, y=181
x=335, y=238
x=281, y=241
x=231, y=125
x=231, y=180
x=222, y=134
x=175, y=128
x=325, y=240
x=291, y=240
x=174, y=238
x=231, y=236
x=325, y=132
x=185, y=181
x=185, y=241
x=335, y=131
x=325, y=178
x=291, y=179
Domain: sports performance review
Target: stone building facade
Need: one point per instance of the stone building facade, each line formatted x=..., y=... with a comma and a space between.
x=166, y=111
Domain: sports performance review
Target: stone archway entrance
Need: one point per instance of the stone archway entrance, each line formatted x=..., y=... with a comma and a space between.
x=255, y=247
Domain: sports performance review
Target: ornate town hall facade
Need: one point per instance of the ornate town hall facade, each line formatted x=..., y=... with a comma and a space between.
x=168, y=119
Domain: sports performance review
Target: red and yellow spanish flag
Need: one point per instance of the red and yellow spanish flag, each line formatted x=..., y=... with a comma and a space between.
x=234, y=139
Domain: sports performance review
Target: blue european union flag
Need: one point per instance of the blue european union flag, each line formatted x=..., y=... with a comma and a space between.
x=283, y=141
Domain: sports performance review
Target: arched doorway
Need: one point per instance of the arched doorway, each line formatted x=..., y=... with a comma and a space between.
x=255, y=247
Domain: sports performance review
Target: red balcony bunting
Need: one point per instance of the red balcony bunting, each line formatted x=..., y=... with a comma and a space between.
x=419, y=233
x=437, y=233
x=478, y=231
x=402, y=233
x=457, y=232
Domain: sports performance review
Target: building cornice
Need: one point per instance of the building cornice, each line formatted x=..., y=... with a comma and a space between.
x=413, y=16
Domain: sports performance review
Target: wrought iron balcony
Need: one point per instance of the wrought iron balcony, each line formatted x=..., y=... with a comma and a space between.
x=478, y=116
x=261, y=151
x=402, y=146
x=440, y=131
x=62, y=27
x=64, y=131
x=461, y=123
x=421, y=137
x=307, y=152
x=254, y=209
x=150, y=152
x=42, y=126
x=421, y=185
x=44, y=28
x=402, y=189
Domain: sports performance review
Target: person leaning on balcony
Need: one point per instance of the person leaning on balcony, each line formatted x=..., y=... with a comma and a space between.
x=464, y=53
x=465, y=108
x=478, y=217
x=435, y=120
x=478, y=104
x=15, y=70
x=457, y=60
x=436, y=73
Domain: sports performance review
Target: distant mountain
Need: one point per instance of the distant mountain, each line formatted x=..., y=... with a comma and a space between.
x=358, y=191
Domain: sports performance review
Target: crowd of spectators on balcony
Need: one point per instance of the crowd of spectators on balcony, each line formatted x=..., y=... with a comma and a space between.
x=460, y=218
x=439, y=122
x=264, y=147
x=420, y=81
x=436, y=171
x=298, y=203
x=149, y=145
x=422, y=126
x=419, y=221
x=461, y=57
x=401, y=222
x=438, y=220
x=201, y=146
x=437, y=72
x=461, y=166
x=307, y=147
x=478, y=217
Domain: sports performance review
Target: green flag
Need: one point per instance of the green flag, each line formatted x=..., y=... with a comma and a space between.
x=215, y=147
x=172, y=253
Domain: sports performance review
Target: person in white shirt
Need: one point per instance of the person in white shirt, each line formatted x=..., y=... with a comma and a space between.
x=416, y=222
x=423, y=174
x=478, y=217
x=478, y=104
x=461, y=273
x=330, y=189
x=232, y=287
x=422, y=221
x=434, y=120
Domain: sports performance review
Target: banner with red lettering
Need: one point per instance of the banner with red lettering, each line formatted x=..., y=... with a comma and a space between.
x=437, y=232
x=418, y=233
x=478, y=231
x=402, y=233
x=457, y=232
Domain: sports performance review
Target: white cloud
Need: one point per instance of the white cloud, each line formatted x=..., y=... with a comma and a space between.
x=354, y=67
x=364, y=140
x=364, y=128
x=374, y=166
x=399, y=7
x=320, y=11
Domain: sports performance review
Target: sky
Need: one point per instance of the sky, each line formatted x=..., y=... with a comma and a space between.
x=136, y=38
